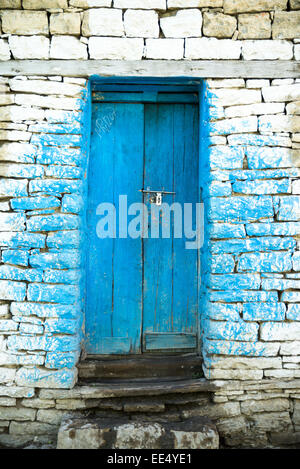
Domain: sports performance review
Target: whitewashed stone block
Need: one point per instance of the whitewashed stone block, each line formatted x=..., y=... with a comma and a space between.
x=186, y=23
x=14, y=135
x=226, y=83
x=67, y=47
x=234, y=97
x=267, y=50
x=4, y=311
x=212, y=48
x=282, y=81
x=41, y=378
x=279, y=123
x=254, y=109
x=143, y=4
x=12, y=222
x=290, y=348
x=297, y=51
x=169, y=49
x=246, y=363
x=20, y=113
x=4, y=207
x=280, y=331
x=50, y=102
x=286, y=25
x=218, y=25
x=10, y=290
x=296, y=187
x=65, y=23
x=10, y=4
x=242, y=375
x=4, y=50
x=281, y=93
x=45, y=87
x=90, y=3
x=102, y=22
x=29, y=47
x=141, y=23
x=257, y=83
x=116, y=48
x=234, y=126
x=23, y=22
x=7, y=375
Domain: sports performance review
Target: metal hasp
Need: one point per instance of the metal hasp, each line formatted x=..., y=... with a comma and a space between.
x=156, y=197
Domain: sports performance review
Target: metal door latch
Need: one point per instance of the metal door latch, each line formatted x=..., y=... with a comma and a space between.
x=156, y=196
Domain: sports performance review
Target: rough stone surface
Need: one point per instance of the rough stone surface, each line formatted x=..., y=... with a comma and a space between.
x=212, y=48
x=255, y=26
x=33, y=47
x=267, y=50
x=286, y=25
x=4, y=50
x=102, y=22
x=115, y=48
x=250, y=182
x=70, y=47
x=93, y=434
x=186, y=23
x=141, y=23
x=65, y=23
x=170, y=49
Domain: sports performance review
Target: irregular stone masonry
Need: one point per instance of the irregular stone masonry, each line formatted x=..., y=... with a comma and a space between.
x=246, y=414
x=250, y=309
x=150, y=29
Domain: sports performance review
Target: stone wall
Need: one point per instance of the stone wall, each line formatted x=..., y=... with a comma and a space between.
x=250, y=132
x=43, y=162
x=251, y=269
x=150, y=29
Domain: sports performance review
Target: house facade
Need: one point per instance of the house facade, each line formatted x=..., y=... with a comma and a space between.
x=189, y=101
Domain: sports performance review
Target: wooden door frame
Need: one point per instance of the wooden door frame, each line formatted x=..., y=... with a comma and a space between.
x=194, y=84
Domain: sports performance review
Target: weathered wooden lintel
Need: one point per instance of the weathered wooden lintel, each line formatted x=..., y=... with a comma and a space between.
x=154, y=68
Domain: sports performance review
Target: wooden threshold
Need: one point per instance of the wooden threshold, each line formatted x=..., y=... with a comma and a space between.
x=166, y=367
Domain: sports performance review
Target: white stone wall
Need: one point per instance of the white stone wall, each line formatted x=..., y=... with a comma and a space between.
x=43, y=164
x=251, y=137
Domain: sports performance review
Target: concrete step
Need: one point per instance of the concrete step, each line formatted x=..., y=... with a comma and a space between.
x=95, y=433
x=139, y=368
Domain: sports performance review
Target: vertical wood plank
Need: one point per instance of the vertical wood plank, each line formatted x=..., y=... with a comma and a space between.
x=170, y=270
x=114, y=266
x=158, y=256
x=185, y=263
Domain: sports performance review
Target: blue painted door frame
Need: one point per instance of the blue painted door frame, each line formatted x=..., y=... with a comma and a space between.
x=128, y=276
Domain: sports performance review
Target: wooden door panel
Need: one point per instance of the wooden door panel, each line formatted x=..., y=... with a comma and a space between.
x=170, y=270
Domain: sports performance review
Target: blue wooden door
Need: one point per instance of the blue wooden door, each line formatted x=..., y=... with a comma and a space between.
x=141, y=293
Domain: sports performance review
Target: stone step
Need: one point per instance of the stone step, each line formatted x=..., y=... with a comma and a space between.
x=136, y=368
x=95, y=433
